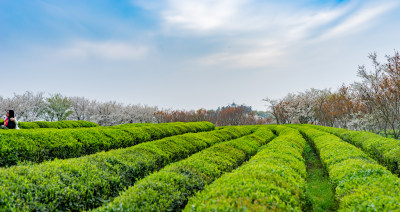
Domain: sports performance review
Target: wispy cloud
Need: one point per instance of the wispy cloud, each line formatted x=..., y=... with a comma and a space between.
x=360, y=20
x=201, y=15
x=251, y=59
x=108, y=50
x=244, y=15
x=267, y=31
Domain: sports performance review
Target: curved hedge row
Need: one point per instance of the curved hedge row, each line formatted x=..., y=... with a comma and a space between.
x=361, y=184
x=87, y=182
x=44, y=144
x=56, y=124
x=385, y=150
x=273, y=180
x=170, y=188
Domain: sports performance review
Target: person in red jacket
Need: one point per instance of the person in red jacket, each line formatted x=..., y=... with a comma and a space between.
x=10, y=122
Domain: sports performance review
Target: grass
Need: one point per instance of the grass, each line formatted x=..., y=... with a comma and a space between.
x=319, y=193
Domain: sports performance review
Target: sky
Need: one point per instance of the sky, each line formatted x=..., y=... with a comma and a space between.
x=190, y=54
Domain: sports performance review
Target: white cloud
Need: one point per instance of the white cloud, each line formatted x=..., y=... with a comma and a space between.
x=360, y=20
x=109, y=50
x=251, y=59
x=260, y=33
x=268, y=45
x=311, y=22
x=215, y=16
x=201, y=15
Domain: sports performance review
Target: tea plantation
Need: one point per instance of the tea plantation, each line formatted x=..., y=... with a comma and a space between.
x=79, y=166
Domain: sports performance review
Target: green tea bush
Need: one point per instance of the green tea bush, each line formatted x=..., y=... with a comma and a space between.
x=28, y=125
x=39, y=145
x=273, y=180
x=385, y=150
x=361, y=183
x=56, y=124
x=87, y=182
x=170, y=188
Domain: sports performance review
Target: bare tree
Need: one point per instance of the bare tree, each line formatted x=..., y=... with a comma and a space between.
x=380, y=92
x=80, y=107
x=139, y=114
x=280, y=109
x=28, y=106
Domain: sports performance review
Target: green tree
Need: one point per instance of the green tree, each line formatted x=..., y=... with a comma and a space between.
x=58, y=107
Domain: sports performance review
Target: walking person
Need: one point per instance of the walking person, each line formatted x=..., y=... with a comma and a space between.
x=10, y=122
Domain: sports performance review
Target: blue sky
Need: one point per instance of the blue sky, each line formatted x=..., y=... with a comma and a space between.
x=190, y=54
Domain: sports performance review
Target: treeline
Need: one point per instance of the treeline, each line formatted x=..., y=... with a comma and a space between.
x=31, y=107
x=232, y=114
x=372, y=104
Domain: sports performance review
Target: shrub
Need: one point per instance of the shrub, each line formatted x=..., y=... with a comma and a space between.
x=361, y=183
x=82, y=183
x=273, y=180
x=170, y=188
x=44, y=144
x=385, y=150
